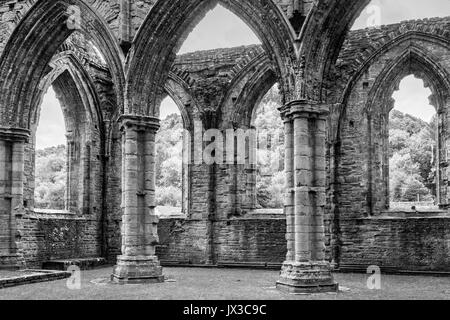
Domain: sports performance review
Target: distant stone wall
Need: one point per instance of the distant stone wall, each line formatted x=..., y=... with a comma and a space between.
x=404, y=244
x=47, y=236
x=413, y=244
x=368, y=71
x=241, y=241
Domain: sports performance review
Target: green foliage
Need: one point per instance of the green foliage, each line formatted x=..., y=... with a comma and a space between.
x=270, y=178
x=412, y=161
x=50, y=178
x=169, y=161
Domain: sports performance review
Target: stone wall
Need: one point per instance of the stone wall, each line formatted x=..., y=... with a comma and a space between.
x=368, y=71
x=412, y=244
x=243, y=241
x=219, y=88
x=49, y=236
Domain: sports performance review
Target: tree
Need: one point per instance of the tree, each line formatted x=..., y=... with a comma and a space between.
x=412, y=159
x=270, y=154
x=169, y=161
x=50, y=178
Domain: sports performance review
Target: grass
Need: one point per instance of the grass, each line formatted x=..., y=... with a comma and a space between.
x=227, y=284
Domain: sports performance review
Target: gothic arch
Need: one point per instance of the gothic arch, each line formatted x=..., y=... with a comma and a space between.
x=152, y=52
x=252, y=93
x=414, y=50
x=179, y=90
x=68, y=62
x=322, y=36
x=32, y=45
x=85, y=132
x=414, y=59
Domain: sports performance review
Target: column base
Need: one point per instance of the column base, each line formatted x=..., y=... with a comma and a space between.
x=313, y=277
x=137, y=270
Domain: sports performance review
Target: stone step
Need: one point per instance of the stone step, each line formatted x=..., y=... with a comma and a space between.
x=8, y=262
x=250, y=265
x=31, y=276
x=82, y=263
x=391, y=270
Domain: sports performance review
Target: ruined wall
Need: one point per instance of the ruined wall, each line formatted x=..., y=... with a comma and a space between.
x=219, y=228
x=255, y=241
x=413, y=243
x=44, y=235
x=352, y=237
x=369, y=69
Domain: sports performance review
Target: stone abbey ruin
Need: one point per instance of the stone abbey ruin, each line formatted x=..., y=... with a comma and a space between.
x=112, y=62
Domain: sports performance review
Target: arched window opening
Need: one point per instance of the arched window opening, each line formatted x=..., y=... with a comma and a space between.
x=383, y=12
x=171, y=173
x=220, y=28
x=413, y=148
x=50, y=156
x=270, y=177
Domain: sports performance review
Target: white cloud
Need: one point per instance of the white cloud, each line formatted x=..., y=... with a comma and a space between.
x=51, y=130
x=168, y=107
x=393, y=11
x=220, y=28
x=412, y=98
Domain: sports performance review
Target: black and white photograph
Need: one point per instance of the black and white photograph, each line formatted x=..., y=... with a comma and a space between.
x=224, y=155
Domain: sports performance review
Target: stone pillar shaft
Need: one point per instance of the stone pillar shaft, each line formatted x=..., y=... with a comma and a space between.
x=12, y=156
x=289, y=197
x=138, y=262
x=305, y=270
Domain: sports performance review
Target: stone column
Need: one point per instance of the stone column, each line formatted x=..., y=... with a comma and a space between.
x=138, y=262
x=306, y=270
x=290, y=193
x=69, y=156
x=251, y=170
x=12, y=152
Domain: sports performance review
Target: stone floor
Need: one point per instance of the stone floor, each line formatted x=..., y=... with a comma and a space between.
x=229, y=284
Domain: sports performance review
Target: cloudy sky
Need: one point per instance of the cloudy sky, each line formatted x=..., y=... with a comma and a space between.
x=220, y=28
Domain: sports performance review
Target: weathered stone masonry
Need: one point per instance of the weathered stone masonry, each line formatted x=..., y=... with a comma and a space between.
x=336, y=90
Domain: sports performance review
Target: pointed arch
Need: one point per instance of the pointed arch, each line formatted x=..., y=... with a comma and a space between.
x=436, y=75
x=31, y=47
x=418, y=62
x=372, y=112
x=66, y=65
x=322, y=36
x=178, y=90
x=167, y=25
x=253, y=91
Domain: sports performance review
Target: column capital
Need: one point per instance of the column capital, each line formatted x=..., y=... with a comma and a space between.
x=139, y=123
x=304, y=109
x=70, y=137
x=14, y=134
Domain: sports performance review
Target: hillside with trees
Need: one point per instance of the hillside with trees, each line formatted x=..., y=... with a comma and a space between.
x=270, y=132
x=51, y=167
x=169, y=162
x=50, y=178
x=412, y=158
x=412, y=161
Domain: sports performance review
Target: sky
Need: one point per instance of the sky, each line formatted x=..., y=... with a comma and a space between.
x=380, y=12
x=51, y=130
x=220, y=28
x=412, y=98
